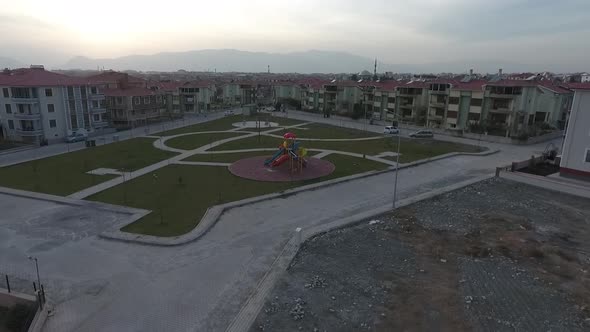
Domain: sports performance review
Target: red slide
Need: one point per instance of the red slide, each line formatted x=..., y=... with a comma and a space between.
x=280, y=160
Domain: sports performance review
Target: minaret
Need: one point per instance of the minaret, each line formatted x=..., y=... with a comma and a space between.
x=268, y=68
x=375, y=71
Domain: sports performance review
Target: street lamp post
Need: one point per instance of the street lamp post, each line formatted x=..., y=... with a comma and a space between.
x=399, y=134
x=37, y=267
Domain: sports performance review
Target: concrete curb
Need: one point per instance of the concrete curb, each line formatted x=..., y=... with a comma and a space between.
x=247, y=315
x=18, y=149
x=547, y=183
x=75, y=202
x=213, y=214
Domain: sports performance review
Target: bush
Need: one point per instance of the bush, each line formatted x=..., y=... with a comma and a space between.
x=522, y=135
x=357, y=112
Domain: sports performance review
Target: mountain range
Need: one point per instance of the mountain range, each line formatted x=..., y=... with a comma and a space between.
x=313, y=61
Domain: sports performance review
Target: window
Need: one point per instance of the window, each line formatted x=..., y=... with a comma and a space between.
x=159, y=99
x=52, y=123
x=136, y=100
x=454, y=100
x=475, y=102
x=50, y=108
x=146, y=100
x=473, y=117
x=587, y=156
x=93, y=90
x=48, y=93
x=95, y=104
x=5, y=92
x=8, y=109
x=10, y=124
x=96, y=118
x=119, y=100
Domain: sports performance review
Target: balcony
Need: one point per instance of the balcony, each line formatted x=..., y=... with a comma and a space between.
x=437, y=104
x=29, y=132
x=97, y=110
x=377, y=104
x=28, y=100
x=27, y=116
x=390, y=105
x=100, y=124
x=500, y=109
x=475, y=109
x=502, y=96
x=453, y=107
x=97, y=96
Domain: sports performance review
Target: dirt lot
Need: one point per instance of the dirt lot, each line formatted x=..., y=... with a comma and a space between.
x=494, y=256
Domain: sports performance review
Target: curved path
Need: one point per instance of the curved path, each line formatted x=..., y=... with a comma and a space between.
x=101, y=285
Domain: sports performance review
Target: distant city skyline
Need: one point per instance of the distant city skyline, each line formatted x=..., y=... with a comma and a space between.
x=539, y=33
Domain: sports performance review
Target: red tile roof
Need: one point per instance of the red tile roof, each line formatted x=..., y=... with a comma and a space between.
x=129, y=92
x=38, y=77
x=110, y=76
x=578, y=86
x=553, y=87
x=474, y=85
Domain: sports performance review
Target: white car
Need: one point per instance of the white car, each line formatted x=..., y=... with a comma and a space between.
x=422, y=134
x=229, y=112
x=391, y=130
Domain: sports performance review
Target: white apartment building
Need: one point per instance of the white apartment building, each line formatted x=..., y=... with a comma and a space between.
x=575, y=158
x=38, y=105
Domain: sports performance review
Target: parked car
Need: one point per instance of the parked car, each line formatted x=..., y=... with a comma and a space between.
x=422, y=134
x=229, y=112
x=391, y=130
x=76, y=137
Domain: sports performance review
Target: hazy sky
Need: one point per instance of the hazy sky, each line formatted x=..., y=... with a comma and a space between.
x=549, y=33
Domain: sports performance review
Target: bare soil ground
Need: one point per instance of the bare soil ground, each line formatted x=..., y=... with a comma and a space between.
x=494, y=256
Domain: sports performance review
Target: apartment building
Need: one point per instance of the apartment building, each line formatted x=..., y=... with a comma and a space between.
x=438, y=102
x=379, y=99
x=129, y=101
x=506, y=107
x=286, y=92
x=464, y=107
x=341, y=96
x=195, y=97
x=412, y=101
x=575, y=158
x=37, y=105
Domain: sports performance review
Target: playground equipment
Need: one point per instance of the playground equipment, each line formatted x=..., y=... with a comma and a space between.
x=291, y=151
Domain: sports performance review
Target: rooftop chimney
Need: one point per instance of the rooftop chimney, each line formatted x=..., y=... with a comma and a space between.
x=500, y=72
x=470, y=72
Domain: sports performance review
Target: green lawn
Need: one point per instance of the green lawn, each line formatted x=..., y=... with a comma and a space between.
x=319, y=130
x=411, y=149
x=181, y=194
x=5, y=145
x=225, y=123
x=66, y=173
x=191, y=142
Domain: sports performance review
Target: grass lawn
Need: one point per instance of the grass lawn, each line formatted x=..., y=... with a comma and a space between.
x=225, y=123
x=320, y=130
x=191, y=142
x=411, y=149
x=179, y=205
x=66, y=173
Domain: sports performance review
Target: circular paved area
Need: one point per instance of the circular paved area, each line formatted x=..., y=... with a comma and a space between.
x=253, y=168
x=252, y=124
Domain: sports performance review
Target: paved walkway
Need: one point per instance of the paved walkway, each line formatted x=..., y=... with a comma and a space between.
x=101, y=285
x=201, y=163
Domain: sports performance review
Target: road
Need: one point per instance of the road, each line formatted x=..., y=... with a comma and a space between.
x=58, y=148
x=102, y=285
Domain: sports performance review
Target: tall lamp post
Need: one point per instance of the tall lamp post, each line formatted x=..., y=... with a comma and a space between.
x=37, y=267
x=399, y=134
